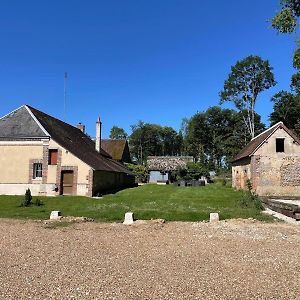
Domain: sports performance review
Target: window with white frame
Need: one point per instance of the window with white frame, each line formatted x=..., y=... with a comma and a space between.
x=37, y=171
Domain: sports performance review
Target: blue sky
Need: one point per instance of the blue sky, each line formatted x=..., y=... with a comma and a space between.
x=156, y=61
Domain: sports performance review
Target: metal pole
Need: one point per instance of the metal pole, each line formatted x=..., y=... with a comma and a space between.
x=65, y=96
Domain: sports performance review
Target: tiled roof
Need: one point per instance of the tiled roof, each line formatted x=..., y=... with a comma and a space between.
x=116, y=148
x=256, y=142
x=20, y=124
x=69, y=137
x=167, y=163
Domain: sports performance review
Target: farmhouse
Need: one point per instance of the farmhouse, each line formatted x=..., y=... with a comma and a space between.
x=51, y=157
x=160, y=167
x=271, y=161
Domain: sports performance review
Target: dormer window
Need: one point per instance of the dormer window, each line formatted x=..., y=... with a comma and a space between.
x=279, y=145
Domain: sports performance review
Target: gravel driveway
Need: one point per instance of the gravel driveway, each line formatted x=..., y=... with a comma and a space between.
x=226, y=260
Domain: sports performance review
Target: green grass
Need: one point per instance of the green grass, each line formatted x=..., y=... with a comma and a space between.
x=149, y=201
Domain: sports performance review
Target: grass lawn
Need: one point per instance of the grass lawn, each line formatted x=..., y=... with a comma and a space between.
x=149, y=201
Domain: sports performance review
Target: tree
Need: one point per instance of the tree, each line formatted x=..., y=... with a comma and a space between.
x=286, y=20
x=215, y=136
x=247, y=79
x=286, y=109
x=117, y=133
x=152, y=139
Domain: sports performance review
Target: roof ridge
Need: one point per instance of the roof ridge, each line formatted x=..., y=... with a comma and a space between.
x=30, y=107
x=280, y=122
x=12, y=112
x=36, y=120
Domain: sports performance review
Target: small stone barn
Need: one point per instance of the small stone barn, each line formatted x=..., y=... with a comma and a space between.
x=160, y=167
x=271, y=161
x=51, y=157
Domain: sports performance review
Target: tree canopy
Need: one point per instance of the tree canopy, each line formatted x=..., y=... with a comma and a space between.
x=247, y=79
x=285, y=21
x=117, y=133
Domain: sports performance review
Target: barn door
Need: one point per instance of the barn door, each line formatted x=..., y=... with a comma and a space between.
x=67, y=182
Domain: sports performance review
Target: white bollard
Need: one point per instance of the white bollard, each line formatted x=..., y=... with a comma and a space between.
x=55, y=215
x=128, y=218
x=213, y=217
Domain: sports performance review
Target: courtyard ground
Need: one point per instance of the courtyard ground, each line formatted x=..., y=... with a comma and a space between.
x=234, y=259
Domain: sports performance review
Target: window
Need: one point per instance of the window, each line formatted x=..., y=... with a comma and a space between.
x=279, y=145
x=37, y=171
x=52, y=157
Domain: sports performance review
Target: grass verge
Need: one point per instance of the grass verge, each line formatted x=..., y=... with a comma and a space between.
x=149, y=201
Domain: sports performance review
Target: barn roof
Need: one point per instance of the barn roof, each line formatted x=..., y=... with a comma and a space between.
x=33, y=123
x=258, y=141
x=115, y=148
x=167, y=163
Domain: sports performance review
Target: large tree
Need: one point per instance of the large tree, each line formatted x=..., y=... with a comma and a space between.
x=117, y=133
x=152, y=139
x=247, y=79
x=286, y=109
x=216, y=135
x=285, y=20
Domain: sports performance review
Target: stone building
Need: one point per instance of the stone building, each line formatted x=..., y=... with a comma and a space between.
x=160, y=167
x=51, y=157
x=271, y=161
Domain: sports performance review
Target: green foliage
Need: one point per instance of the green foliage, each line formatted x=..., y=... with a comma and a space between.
x=215, y=136
x=285, y=21
x=26, y=201
x=296, y=59
x=192, y=171
x=295, y=83
x=247, y=79
x=117, y=133
x=286, y=109
x=151, y=139
x=140, y=172
x=250, y=198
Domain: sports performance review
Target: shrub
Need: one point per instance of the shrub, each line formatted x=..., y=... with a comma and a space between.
x=27, y=199
x=192, y=171
x=250, y=198
x=140, y=172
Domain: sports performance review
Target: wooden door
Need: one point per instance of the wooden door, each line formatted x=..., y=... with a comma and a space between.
x=67, y=182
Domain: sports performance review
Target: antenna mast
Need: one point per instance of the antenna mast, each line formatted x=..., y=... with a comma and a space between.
x=65, y=96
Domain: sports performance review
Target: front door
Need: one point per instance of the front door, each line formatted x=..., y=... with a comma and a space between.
x=67, y=182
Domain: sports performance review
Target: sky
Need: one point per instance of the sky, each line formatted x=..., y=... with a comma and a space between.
x=128, y=60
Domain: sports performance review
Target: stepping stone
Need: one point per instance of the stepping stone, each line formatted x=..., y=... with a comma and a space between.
x=55, y=215
x=128, y=220
x=213, y=217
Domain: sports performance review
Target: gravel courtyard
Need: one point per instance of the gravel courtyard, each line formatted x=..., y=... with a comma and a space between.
x=227, y=260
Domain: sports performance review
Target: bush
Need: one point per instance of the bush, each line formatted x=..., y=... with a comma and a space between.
x=250, y=198
x=140, y=172
x=27, y=199
x=192, y=171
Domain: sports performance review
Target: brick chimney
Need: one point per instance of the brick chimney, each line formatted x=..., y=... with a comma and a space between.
x=81, y=127
x=98, y=134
